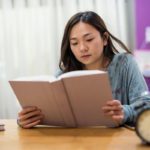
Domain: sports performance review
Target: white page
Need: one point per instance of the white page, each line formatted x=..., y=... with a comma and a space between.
x=37, y=78
x=80, y=73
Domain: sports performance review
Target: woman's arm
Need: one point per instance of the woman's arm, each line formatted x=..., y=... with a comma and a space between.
x=135, y=89
x=130, y=91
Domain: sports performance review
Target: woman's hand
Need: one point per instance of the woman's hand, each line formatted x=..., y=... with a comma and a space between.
x=114, y=110
x=29, y=117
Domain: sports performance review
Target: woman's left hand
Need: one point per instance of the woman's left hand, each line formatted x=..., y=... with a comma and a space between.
x=114, y=109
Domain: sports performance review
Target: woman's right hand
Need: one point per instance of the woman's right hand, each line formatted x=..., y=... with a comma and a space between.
x=29, y=117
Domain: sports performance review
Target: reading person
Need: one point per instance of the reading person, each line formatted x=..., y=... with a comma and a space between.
x=87, y=45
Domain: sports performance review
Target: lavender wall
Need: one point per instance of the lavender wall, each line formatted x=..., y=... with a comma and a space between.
x=142, y=8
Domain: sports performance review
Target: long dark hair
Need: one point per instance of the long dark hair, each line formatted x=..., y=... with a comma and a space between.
x=68, y=62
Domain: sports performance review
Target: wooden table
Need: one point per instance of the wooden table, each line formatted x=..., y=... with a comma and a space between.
x=50, y=138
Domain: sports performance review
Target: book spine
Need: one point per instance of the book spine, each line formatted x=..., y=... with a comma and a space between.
x=70, y=106
x=63, y=104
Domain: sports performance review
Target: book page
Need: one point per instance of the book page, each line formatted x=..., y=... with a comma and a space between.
x=80, y=73
x=48, y=78
x=87, y=95
x=39, y=94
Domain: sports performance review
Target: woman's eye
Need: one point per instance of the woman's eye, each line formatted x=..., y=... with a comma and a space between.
x=74, y=43
x=89, y=40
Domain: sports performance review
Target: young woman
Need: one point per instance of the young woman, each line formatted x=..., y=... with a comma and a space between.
x=87, y=45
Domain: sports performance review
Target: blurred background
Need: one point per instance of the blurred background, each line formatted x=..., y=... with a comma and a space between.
x=31, y=33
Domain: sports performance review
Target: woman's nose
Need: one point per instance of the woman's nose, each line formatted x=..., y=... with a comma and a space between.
x=83, y=47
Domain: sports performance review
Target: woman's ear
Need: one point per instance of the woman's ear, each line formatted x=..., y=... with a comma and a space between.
x=105, y=38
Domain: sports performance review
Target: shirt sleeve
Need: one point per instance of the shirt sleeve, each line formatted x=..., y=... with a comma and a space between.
x=136, y=90
x=58, y=73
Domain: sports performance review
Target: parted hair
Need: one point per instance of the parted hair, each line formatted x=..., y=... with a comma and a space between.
x=68, y=62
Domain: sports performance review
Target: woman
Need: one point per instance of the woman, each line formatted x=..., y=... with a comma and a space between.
x=87, y=45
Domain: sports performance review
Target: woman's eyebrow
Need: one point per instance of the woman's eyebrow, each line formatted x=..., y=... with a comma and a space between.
x=87, y=34
x=84, y=35
x=73, y=38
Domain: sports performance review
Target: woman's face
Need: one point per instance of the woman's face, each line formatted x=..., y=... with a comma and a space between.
x=87, y=45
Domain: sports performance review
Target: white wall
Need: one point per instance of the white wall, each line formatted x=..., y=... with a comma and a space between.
x=31, y=33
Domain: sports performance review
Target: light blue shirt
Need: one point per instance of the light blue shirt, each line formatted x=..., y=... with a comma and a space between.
x=128, y=86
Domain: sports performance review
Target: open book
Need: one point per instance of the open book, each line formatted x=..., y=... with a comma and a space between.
x=74, y=99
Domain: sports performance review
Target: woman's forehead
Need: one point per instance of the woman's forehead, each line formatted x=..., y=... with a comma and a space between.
x=82, y=29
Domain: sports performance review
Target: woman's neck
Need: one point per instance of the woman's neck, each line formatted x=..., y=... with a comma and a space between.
x=101, y=65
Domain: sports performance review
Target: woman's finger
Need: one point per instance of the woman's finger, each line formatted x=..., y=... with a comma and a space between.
x=29, y=121
x=113, y=102
x=29, y=115
x=113, y=112
x=117, y=118
x=27, y=109
x=32, y=124
x=114, y=108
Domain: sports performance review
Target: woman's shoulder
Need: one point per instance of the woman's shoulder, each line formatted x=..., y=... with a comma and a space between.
x=122, y=61
x=123, y=58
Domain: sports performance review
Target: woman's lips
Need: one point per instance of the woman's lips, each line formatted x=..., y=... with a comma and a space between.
x=85, y=56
